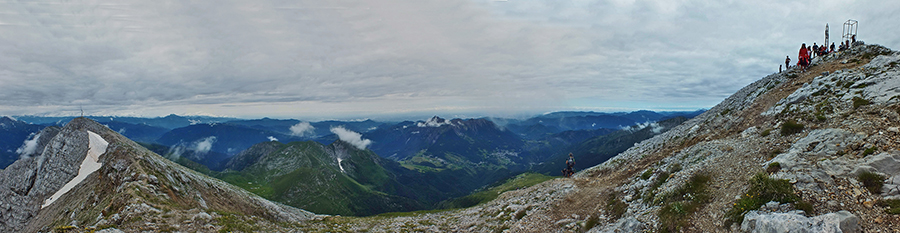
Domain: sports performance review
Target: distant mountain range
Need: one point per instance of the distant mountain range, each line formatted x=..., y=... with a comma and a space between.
x=405, y=166
x=212, y=140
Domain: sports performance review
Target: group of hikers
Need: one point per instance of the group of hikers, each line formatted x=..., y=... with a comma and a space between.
x=808, y=53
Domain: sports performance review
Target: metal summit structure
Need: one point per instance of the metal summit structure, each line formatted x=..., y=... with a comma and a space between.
x=849, y=30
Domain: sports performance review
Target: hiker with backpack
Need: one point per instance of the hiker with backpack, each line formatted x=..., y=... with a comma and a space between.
x=570, y=166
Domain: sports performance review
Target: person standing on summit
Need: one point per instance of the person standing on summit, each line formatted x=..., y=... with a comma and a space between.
x=815, y=49
x=804, y=57
x=787, y=62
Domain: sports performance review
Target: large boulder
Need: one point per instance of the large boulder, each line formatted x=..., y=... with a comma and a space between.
x=629, y=224
x=794, y=221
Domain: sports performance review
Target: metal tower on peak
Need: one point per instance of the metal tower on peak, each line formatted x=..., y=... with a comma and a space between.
x=849, y=32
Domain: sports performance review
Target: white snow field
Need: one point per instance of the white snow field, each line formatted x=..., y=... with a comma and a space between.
x=90, y=164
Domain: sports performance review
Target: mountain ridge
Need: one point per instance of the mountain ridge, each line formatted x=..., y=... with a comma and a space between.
x=825, y=126
x=132, y=184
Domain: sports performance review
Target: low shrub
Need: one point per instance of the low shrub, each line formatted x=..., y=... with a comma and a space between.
x=763, y=189
x=893, y=205
x=615, y=207
x=661, y=179
x=873, y=182
x=590, y=223
x=725, y=112
x=857, y=102
x=647, y=174
x=821, y=117
x=791, y=127
x=682, y=202
x=675, y=168
x=65, y=228
x=773, y=167
x=869, y=151
x=766, y=132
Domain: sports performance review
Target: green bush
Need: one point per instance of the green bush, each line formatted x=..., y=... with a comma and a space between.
x=869, y=151
x=647, y=174
x=590, y=223
x=675, y=168
x=857, y=102
x=661, y=179
x=773, y=167
x=725, y=112
x=763, y=189
x=791, y=127
x=766, y=132
x=893, y=206
x=820, y=117
x=682, y=202
x=871, y=181
x=615, y=207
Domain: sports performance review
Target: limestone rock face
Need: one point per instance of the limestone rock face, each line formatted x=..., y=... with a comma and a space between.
x=131, y=184
x=795, y=222
x=29, y=181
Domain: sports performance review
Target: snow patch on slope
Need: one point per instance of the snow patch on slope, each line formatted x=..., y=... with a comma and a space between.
x=434, y=122
x=90, y=164
x=341, y=166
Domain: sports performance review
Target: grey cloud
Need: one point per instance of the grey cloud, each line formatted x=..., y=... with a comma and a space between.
x=362, y=57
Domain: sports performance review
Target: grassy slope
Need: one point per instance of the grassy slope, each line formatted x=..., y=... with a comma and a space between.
x=319, y=187
x=523, y=180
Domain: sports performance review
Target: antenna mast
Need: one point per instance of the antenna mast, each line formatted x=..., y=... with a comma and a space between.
x=849, y=30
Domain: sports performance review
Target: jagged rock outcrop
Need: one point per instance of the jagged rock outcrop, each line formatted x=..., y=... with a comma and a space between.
x=133, y=190
x=31, y=180
x=796, y=222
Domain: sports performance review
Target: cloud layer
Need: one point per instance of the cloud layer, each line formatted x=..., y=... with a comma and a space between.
x=351, y=137
x=358, y=58
x=203, y=145
x=30, y=145
x=303, y=129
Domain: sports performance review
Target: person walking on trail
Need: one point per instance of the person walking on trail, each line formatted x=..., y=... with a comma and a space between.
x=570, y=166
x=787, y=62
x=832, y=47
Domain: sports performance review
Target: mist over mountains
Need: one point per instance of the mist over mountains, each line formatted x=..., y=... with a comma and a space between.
x=212, y=140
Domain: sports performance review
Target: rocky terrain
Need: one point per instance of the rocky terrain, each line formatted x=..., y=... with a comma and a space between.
x=797, y=151
x=134, y=190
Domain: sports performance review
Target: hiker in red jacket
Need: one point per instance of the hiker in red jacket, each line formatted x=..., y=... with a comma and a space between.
x=804, y=57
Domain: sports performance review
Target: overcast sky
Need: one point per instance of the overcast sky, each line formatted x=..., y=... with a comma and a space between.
x=363, y=58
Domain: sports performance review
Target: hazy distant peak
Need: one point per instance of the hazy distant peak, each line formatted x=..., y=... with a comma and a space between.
x=435, y=121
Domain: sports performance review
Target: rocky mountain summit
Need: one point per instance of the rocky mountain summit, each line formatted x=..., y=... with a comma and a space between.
x=132, y=190
x=797, y=151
